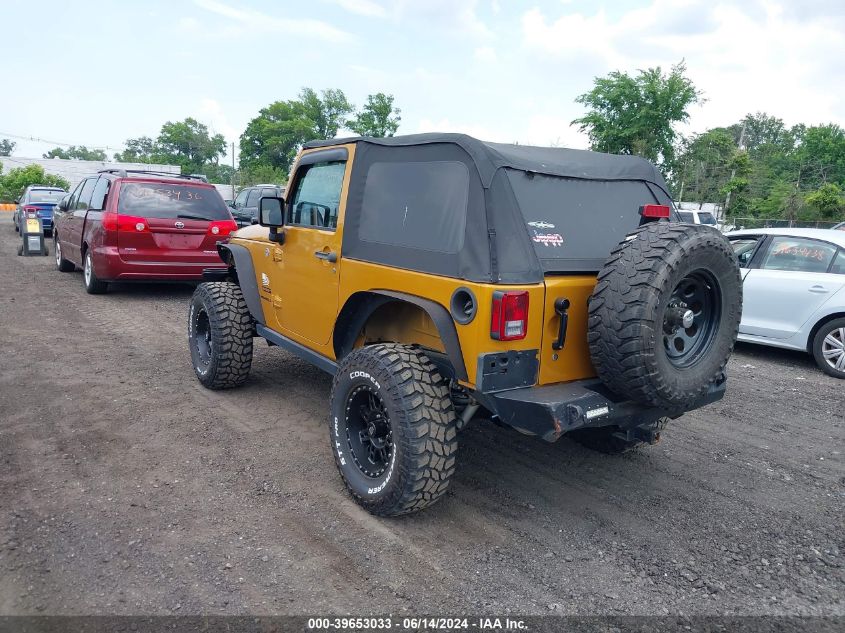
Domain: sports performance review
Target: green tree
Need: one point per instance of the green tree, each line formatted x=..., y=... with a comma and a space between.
x=827, y=200
x=188, y=144
x=138, y=150
x=377, y=118
x=327, y=114
x=76, y=153
x=276, y=134
x=12, y=185
x=262, y=174
x=7, y=147
x=703, y=166
x=636, y=115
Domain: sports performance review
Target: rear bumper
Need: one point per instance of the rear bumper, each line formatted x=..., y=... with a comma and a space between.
x=109, y=266
x=550, y=411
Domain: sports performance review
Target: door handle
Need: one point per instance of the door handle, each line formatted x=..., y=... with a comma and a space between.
x=326, y=255
x=561, y=307
x=819, y=289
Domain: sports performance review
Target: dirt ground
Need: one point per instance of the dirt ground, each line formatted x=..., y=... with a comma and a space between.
x=127, y=488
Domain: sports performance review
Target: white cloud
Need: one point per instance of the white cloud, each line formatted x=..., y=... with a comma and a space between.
x=478, y=131
x=367, y=8
x=485, y=54
x=256, y=21
x=211, y=113
x=745, y=57
x=452, y=16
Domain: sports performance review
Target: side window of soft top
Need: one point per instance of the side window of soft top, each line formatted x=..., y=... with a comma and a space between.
x=316, y=199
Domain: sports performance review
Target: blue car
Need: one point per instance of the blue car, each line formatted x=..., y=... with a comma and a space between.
x=40, y=201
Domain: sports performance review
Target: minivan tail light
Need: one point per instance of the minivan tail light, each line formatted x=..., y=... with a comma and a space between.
x=655, y=211
x=509, y=320
x=124, y=223
x=222, y=228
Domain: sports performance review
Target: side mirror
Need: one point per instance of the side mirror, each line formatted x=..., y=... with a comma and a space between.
x=62, y=204
x=271, y=212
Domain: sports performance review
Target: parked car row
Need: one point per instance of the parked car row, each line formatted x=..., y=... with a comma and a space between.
x=37, y=201
x=120, y=225
x=794, y=291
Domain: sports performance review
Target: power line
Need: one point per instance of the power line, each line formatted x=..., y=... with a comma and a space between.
x=59, y=143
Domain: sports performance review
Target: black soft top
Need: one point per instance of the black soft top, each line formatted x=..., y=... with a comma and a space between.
x=452, y=205
x=552, y=161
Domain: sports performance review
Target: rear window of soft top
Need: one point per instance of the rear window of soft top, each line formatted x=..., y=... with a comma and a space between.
x=171, y=200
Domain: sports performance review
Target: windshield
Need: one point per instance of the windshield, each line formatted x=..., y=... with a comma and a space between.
x=153, y=200
x=574, y=223
x=42, y=196
x=705, y=217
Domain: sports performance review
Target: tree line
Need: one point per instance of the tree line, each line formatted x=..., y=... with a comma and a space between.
x=754, y=167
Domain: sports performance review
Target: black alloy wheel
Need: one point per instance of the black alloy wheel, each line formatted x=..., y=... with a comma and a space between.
x=691, y=317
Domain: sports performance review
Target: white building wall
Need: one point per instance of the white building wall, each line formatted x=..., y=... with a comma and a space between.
x=75, y=170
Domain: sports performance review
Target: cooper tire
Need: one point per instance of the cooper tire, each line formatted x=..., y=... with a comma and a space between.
x=829, y=348
x=393, y=429
x=665, y=313
x=220, y=331
x=93, y=286
x=62, y=264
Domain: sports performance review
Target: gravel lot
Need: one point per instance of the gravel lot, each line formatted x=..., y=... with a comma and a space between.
x=125, y=487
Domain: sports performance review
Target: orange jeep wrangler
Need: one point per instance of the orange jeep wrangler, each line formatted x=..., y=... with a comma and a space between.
x=440, y=278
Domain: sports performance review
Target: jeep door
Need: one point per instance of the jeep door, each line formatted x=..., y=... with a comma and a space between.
x=305, y=280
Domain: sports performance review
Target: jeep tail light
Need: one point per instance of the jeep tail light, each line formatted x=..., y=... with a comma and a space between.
x=222, y=228
x=124, y=223
x=656, y=211
x=509, y=321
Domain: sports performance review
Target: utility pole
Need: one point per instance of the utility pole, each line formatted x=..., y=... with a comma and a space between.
x=233, y=172
x=733, y=171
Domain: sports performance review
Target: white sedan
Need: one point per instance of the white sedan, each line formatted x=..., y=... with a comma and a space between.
x=794, y=291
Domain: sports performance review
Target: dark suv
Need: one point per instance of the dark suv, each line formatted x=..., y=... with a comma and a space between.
x=245, y=207
x=38, y=201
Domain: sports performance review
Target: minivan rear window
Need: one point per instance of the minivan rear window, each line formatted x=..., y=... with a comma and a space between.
x=159, y=200
x=574, y=223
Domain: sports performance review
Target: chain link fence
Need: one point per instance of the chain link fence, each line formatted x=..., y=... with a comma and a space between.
x=776, y=223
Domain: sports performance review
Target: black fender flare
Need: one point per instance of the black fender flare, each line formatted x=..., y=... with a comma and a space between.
x=361, y=305
x=238, y=257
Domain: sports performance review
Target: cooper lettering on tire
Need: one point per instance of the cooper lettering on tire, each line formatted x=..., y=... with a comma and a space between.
x=665, y=314
x=220, y=331
x=393, y=429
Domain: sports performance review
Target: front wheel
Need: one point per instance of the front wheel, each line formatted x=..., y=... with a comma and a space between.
x=393, y=429
x=829, y=348
x=93, y=286
x=220, y=330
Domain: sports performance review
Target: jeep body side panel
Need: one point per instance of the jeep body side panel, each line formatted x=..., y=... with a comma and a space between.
x=572, y=361
x=360, y=308
x=242, y=261
x=473, y=337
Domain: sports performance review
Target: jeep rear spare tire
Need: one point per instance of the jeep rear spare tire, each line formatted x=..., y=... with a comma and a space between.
x=393, y=429
x=665, y=313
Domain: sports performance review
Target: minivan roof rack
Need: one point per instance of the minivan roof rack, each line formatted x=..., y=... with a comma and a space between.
x=123, y=173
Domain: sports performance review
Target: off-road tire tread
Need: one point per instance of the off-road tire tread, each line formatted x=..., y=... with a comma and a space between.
x=232, y=328
x=429, y=421
x=628, y=281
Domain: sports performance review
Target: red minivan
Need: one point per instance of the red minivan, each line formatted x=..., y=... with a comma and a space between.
x=121, y=225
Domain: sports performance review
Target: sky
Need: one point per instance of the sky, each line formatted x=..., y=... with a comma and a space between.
x=96, y=73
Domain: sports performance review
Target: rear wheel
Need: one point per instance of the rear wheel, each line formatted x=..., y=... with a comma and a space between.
x=220, y=331
x=92, y=285
x=829, y=348
x=393, y=429
x=62, y=264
